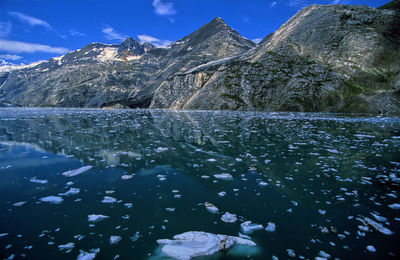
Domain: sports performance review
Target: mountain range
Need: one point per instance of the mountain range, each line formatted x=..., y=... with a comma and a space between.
x=331, y=58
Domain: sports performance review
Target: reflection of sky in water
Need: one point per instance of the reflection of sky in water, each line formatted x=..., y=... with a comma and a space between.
x=319, y=178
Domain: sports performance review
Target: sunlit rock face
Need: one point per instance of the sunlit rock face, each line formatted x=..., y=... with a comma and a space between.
x=325, y=58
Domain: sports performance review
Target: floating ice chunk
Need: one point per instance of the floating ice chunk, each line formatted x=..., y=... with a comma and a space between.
x=324, y=254
x=35, y=180
x=244, y=236
x=67, y=247
x=322, y=212
x=108, y=199
x=224, y=176
x=191, y=244
x=71, y=191
x=128, y=205
x=19, y=204
x=229, y=218
x=377, y=226
x=3, y=234
x=161, y=149
x=211, y=160
x=86, y=255
x=127, y=177
x=271, y=227
x=211, y=207
x=332, y=150
x=263, y=183
x=135, y=237
x=78, y=171
x=115, y=240
x=69, y=183
x=267, y=161
x=205, y=177
x=291, y=252
x=52, y=199
x=170, y=209
x=96, y=218
x=248, y=227
x=79, y=237
x=371, y=249
x=294, y=203
x=395, y=206
x=222, y=193
x=379, y=218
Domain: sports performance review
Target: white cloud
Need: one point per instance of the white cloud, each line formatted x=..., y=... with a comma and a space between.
x=153, y=40
x=335, y=2
x=10, y=57
x=257, y=40
x=24, y=47
x=73, y=32
x=273, y=4
x=5, y=29
x=32, y=21
x=161, y=8
x=112, y=35
x=296, y=3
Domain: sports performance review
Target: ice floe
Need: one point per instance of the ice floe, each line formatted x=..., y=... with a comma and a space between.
x=191, y=244
x=71, y=191
x=96, y=218
x=394, y=206
x=127, y=176
x=161, y=149
x=371, y=249
x=52, y=199
x=88, y=255
x=115, y=240
x=229, y=218
x=3, y=234
x=270, y=227
x=211, y=207
x=377, y=226
x=108, y=199
x=19, y=204
x=76, y=172
x=67, y=247
x=35, y=180
x=248, y=227
x=224, y=176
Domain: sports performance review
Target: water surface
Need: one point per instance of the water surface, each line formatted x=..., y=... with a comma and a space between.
x=316, y=176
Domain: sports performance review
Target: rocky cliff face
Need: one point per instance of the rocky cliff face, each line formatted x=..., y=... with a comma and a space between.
x=326, y=58
x=333, y=58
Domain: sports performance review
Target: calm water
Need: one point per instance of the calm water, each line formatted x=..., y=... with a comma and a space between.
x=316, y=176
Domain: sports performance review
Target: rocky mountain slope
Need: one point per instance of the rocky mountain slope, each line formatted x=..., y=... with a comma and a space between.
x=332, y=58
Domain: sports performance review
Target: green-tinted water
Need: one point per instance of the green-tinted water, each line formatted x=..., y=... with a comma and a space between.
x=316, y=176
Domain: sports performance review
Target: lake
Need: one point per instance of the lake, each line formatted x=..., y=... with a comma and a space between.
x=78, y=183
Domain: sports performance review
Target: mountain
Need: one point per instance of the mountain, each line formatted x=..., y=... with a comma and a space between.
x=334, y=58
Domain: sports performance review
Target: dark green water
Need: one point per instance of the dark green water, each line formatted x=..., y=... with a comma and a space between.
x=324, y=174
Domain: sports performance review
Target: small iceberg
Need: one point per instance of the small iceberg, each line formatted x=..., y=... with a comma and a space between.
x=67, y=247
x=76, y=172
x=224, y=176
x=211, y=207
x=248, y=227
x=115, y=240
x=191, y=244
x=229, y=218
x=270, y=227
x=52, y=199
x=377, y=226
x=35, y=180
x=96, y=218
x=108, y=199
x=71, y=191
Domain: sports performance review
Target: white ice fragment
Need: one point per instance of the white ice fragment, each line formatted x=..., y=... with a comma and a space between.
x=332, y=150
x=108, y=199
x=135, y=237
x=69, y=183
x=19, y=204
x=35, y=180
x=222, y=193
x=71, y=191
x=248, y=227
x=67, y=247
x=224, y=176
x=271, y=227
x=322, y=212
x=128, y=205
x=395, y=206
x=371, y=249
x=267, y=161
x=78, y=171
x=170, y=209
x=378, y=217
x=115, y=240
x=211, y=207
x=191, y=244
x=377, y=226
x=262, y=183
x=87, y=255
x=3, y=234
x=205, y=177
x=127, y=177
x=244, y=236
x=294, y=203
x=96, y=218
x=324, y=254
x=52, y=199
x=229, y=218
x=211, y=160
x=161, y=149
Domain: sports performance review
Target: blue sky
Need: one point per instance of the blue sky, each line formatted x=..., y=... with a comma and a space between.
x=32, y=30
